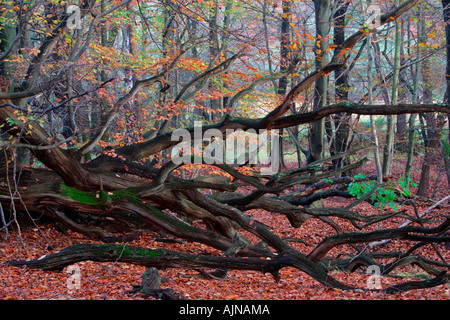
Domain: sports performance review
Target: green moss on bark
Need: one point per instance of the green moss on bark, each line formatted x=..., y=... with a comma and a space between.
x=99, y=199
x=91, y=198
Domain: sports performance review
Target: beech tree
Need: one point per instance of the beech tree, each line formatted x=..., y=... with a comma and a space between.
x=96, y=182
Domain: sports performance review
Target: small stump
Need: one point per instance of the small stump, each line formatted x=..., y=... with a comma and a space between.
x=150, y=286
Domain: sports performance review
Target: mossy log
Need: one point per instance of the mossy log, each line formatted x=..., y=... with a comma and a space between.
x=162, y=259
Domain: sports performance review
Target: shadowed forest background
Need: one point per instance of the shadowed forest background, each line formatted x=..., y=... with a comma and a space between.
x=93, y=207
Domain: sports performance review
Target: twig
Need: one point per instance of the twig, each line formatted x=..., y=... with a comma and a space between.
x=377, y=243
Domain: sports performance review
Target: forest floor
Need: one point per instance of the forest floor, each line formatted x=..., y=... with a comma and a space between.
x=111, y=281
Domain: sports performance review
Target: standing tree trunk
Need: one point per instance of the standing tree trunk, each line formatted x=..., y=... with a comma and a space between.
x=401, y=128
x=266, y=42
x=167, y=43
x=7, y=35
x=285, y=60
x=227, y=21
x=446, y=145
x=341, y=121
x=322, y=13
x=285, y=46
x=130, y=47
x=389, y=146
x=412, y=117
x=431, y=133
x=214, y=49
x=372, y=121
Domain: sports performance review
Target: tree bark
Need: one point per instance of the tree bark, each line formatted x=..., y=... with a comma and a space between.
x=390, y=133
x=322, y=14
x=446, y=150
x=340, y=140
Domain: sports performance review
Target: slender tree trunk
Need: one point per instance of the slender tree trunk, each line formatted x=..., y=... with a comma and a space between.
x=341, y=121
x=378, y=69
x=285, y=46
x=322, y=13
x=214, y=49
x=199, y=113
x=389, y=146
x=412, y=117
x=372, y=121
x=167, y=50
x=7, y=34
x=266, y=40
x=446, y=152
x=227, y=21
x=401, y=127
x=317, y=138
x=431, y=132
x=129, y=46
x=434, y=125
x=446, y=145
x=285, y=61
x=411, y=138
x=434, y=122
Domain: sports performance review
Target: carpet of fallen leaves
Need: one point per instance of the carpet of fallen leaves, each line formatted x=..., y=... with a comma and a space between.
x=111, y=281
